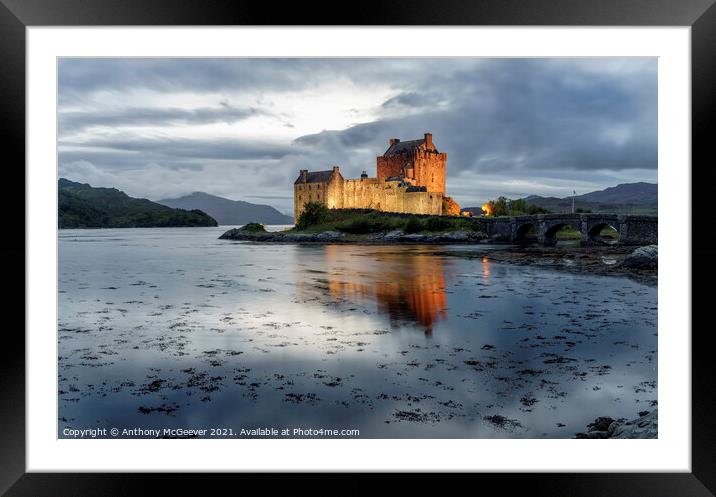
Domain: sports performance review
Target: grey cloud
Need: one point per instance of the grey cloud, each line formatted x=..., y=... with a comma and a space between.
x=122, y=160
x=516, y=115
x=77, y=121
x=78, y=76
x=151, y=147
x=411, y=99
x=357, y=136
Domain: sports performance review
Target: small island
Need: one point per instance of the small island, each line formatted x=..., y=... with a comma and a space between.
x=320, y=224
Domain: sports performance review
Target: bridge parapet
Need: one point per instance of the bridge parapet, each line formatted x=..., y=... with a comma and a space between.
x=633, y=230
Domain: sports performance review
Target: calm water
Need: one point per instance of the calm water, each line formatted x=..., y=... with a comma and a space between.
x=166, y=327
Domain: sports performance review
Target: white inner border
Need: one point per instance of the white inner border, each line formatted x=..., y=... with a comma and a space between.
x=672, y=450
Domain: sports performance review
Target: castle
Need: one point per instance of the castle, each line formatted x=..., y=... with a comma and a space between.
x=410, y=179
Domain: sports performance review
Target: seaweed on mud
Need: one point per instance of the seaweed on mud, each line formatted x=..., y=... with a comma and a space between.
x=417, y=416
x=151, y=387
x=299, y=398
x=165, y=408
x=502, y=422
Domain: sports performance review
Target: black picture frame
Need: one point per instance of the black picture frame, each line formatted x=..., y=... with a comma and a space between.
x=700, y=15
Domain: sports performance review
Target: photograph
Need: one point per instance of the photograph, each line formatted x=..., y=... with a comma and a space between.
x=357, y=247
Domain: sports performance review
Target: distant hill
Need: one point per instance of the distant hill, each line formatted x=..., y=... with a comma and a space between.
x=229, y=212
x=83, y=206
x=626, y=193
x=627, y=198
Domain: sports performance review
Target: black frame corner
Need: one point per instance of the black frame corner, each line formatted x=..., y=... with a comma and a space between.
x=16, y=15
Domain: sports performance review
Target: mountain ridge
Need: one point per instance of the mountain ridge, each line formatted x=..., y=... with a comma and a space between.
x=227, y=211
x=623, y=193
x=624, y=198
x=81, y=205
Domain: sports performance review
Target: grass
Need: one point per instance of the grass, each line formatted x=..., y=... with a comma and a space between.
x=317, y=219
x=568, y=233
x=363, y=221
x=254, y=228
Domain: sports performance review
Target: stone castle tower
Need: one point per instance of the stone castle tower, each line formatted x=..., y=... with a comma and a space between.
x=410, y=179
x=417, y=161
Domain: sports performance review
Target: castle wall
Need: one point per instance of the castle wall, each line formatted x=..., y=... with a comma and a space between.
x=334, y=193
x=308, y=192
x=421, y=203
x=388, y=196
x=366, y=193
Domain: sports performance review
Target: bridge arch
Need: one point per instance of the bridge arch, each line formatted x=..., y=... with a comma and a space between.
x=553, y=223
x=550, y=232
x=594, y=234
x=526, y=231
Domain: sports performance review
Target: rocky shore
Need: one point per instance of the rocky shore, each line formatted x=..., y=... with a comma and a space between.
x=645, y=426
x=395, y=236
x=646, y=257
x=607, y=259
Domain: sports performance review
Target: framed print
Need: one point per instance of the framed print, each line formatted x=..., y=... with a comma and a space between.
x=265, y=241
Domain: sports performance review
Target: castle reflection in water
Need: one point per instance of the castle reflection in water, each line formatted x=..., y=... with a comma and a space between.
x=407, y=287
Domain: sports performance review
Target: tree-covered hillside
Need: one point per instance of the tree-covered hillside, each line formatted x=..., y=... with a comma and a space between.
x=83, y=206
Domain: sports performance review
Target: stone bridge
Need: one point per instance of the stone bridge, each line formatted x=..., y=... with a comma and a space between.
x=633, y=230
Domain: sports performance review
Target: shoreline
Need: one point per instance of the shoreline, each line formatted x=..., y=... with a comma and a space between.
x=645, y=426
x=395, y=237
x=569, y=256
x=599, y=260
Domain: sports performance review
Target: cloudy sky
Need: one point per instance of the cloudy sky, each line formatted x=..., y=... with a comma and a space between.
x=243, y=128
